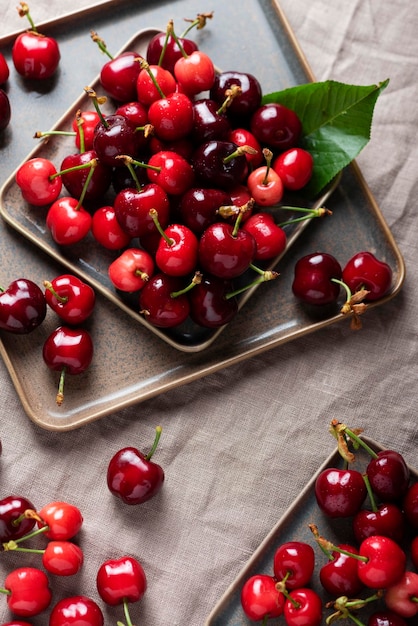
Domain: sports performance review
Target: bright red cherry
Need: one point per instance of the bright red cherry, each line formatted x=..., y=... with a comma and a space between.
x=88, y=121
x=243, y=137
x=76, y=611
x=226, y=252
x=121, y=580
x=172, y=116
x=68, y=221
x=62, y=558
x=163, y=301
x=38, y=181
x=133, y=206
x=131, y=269
x=401, y=597
x=365, y=271
x=294, y=562
x=385, y=519
x=304, y=608
x=383, y=562
x=34, y=55
x=61, y=520
x=195, y=73
x=269, y=237
x=294, y=167
x=107, y=231
x=260, y=598
x=265, y=186
x=70, y=297
x=132, y=476
x=28, y=591
x=339, y=576
x=164, y=50
x=119, y=75
x=170, y=171
x=154, y=82
x=177, y=252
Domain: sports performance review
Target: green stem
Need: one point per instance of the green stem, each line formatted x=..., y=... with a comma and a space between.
x=126, y=613
x=144, y=65
x=100, y=42
x=370, y=493
x=158, y=431
x=66, y=133
x=23, y=11
x=197, y=278
x=309, y=214
x=154, y=215
x=93, y=165
x=265, y=277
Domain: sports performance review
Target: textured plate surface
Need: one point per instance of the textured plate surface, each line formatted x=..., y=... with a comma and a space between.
x=294, y=526
x=131, y=364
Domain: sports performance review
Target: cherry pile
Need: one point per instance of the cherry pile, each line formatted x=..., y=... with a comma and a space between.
x=371, y=570
x=180, y=180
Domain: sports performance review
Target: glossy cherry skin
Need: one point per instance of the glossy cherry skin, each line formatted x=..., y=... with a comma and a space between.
x=5, y=110
x=120, y=580
x=339, y=576
x=198, y=207
x=119, y=75
x=172, y=116
x=68, y=221
x=174, y=174
x=340, y=492
x=147, y=92
x=133, y=206
x=270, y=239
x=71, y=298
x=38, y=181
x=308, y=608
x=4, y=69
x=414, y=551
x=16, y=623
x=224, y=253
x=132, y=477
x=177, y=255
x=76, y=611
x=172, y=51
x=69, y=348
x=106, y=229
x=276, y=126
x=29, y=591
x=401, y=597
x=89, y=121
x=410, y=505
x=387, y=520
x=35, y=56
x=208, y=122
x=312, y=279
x=244, y=104
x=209, y=306
x=388, y=475
x=385, y=564
x=386, y=618
x=115, y=137
x=131, y=269
x=62, y=558
x=294, y=561
x=260, y=598
x=195, y=73
x=64, y=520
x=216, y=164
x=243, y=137
x=295, y=167
x=265, y=186
x=364, y=270
x=75, y=181
x=11, y=508
x=159, y=307
x=22, y=307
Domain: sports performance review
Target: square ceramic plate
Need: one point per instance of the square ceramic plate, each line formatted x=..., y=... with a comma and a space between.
x=132, y=364
x=294, y=526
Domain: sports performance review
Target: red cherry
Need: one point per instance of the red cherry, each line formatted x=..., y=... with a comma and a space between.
x=62, y=558
x=245, y=102
x=389, y=475
x=171, y=171
x=38, y=181
x=224, y=252
x=313, y=279
x=70, y=297
x=410, y=505
x=294, y=562
x=61, y=520
x=401, y=596
x=339, y=576
x=294, y=167
x=276, y=126
x=177, y=252
x=133, y=206
x=131, y=269
x=22, y=307
x=75, y=170
x=162, y=301
x=28, y=591
x=107, y=231
x=260, y=598
x=414, y=551
x=171, y=117
x=209, y=305
x=198, y=207
x=35, y=56
x=195, y=73
x=13, y=523
x=68, y=221
x=386, y=618
x=5, y=110
x=265, y=186
x=365, y=271
x=243, y=137
x=385, y=519
x=132, y=476
x=146, y=89
x=269, y=237
x=304, y=608
x=76, y=611
x=164, y=50
x=340, y=492
x=88, y=121
x=119, y=75
x=383, y=562
x=4, y=69
x=121, y=580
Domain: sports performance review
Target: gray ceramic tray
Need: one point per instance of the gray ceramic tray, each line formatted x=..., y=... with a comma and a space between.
x=293, y=526
x=131, y=363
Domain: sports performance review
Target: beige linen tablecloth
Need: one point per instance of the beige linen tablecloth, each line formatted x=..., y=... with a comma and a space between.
x=239, y=445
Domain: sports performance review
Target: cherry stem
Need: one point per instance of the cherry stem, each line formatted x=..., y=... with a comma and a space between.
x=239, y=152
x=46, y=133
x=169, y=31
x=80, y=122
x=328, y=553
x=199, y=22
x=144, y=65
x=264, y=277
x=126, y=613
x=331, y=547
x=17, y=548
x=129, y=160
x=231, y=94
x=310, y=214
x=48, y=285
x=96, y=102
x=196, y=280
x=268, y=155
x=158, y=431
x=370, y=493
x=100, y=42
x=23, y=11
x=343, y=604
x=358, y=440
x=6, y=591
x=11, y=545
x=154, y=215
x=178, y=42
x=60, y=393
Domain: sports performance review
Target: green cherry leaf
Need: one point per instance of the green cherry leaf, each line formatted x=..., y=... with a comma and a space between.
x=336, y=123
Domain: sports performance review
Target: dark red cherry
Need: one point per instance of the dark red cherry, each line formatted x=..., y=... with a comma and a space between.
x=115, y=136
x=172, y=51
x=388, y=475
x=276, y=126
x=249, y=98
x=119, y=75
x=5, y=110
x=218, y=164
x=198, y=207
x=340, y=492
x=313, y=276
x=12, y=525
x=209, y=122
x=160, y=304
x=209, y=305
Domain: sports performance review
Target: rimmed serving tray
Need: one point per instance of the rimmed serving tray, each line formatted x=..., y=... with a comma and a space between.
x=293, y=526
x=131, y=364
